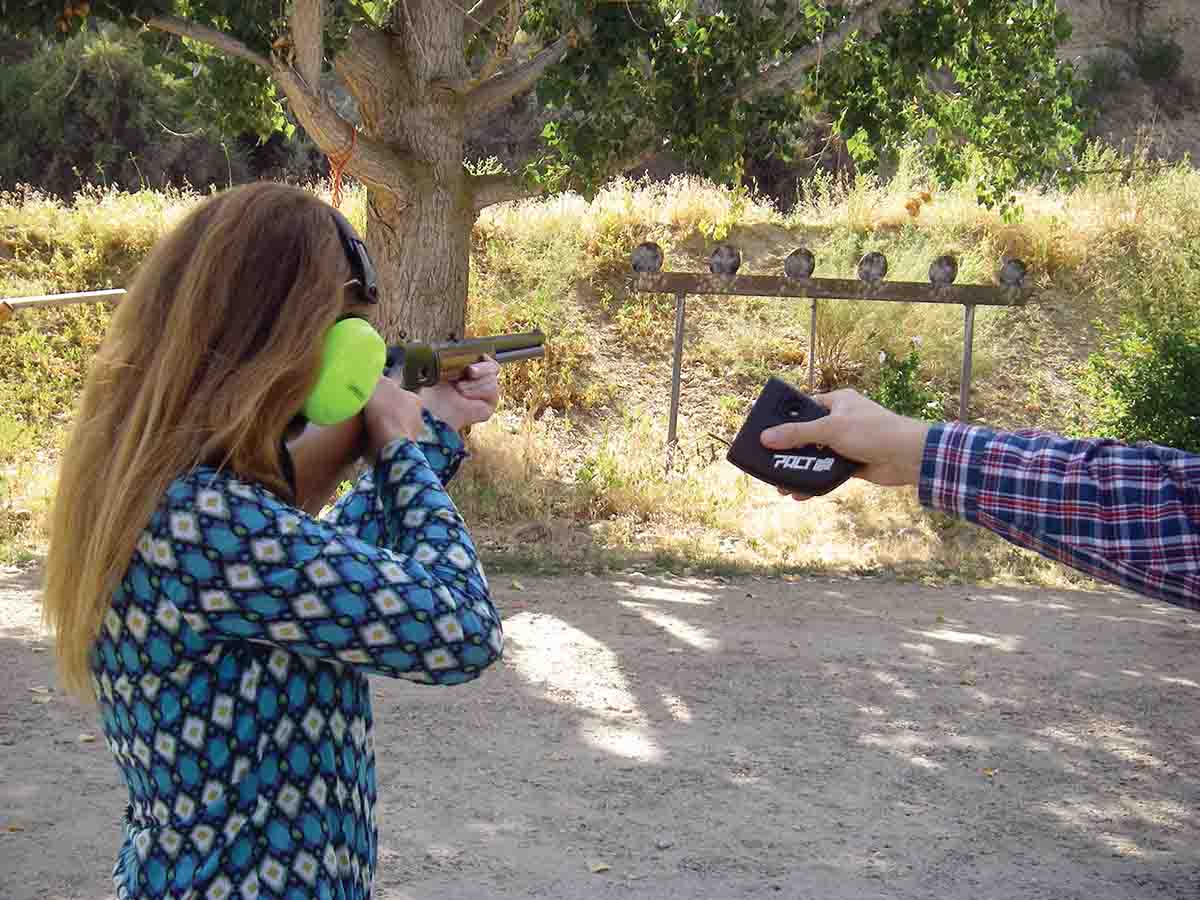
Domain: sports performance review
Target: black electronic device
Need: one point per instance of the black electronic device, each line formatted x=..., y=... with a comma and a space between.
x=811, y=469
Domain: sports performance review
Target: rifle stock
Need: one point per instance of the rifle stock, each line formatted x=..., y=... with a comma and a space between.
x=420, y=364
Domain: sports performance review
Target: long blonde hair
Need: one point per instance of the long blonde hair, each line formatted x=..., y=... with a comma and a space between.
x=208, y=357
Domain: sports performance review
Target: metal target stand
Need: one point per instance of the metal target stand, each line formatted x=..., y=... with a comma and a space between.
x=797, y=281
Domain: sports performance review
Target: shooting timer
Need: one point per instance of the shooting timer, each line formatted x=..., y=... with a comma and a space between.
x=811, y=469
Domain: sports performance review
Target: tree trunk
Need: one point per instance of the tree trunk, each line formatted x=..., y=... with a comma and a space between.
x=422, y=255
x=420, y=242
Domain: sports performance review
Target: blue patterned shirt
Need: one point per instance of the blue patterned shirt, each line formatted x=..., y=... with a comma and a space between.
x=1129, y=515
x=230, y=671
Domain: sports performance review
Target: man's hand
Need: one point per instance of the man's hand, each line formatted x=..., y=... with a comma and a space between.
x=469, y=400
x=890, y=446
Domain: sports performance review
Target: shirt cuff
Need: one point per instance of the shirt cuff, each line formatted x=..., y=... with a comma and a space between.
x=442, y=445
x=401, y=448
x=952, y=467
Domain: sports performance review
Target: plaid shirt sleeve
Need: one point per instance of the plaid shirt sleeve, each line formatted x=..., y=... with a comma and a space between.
x=1129, y=515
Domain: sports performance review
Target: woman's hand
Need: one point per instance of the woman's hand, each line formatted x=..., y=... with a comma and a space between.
x=392, y=413
x=467, y=401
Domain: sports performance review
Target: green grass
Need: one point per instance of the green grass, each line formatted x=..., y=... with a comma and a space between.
x=579, y=443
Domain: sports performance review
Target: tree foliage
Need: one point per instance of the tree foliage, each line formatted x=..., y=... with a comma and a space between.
x=966, y=77
x=975, y=81
x=87, y=110
x=239, y=95
x=654, y=70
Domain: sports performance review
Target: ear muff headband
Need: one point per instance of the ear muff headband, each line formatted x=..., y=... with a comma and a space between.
x=352, y=360
x=354, y=355
x=362, y=270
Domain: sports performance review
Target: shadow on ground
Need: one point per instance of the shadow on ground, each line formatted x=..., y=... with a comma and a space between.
x=670, y=738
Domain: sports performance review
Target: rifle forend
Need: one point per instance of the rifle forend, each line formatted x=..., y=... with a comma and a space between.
x=421, y=365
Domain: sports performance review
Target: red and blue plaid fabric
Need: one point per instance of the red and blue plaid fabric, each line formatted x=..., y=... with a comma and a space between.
x=1126, y=514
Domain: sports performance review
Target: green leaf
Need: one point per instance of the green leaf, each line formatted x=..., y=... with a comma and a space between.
x=656, y=70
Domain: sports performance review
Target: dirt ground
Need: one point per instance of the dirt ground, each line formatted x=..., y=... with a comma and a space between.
x=660, y=738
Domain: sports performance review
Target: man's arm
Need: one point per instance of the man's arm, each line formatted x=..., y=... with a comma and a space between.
x=1125, y=514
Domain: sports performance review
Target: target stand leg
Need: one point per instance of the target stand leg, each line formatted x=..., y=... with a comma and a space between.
x=672, y=438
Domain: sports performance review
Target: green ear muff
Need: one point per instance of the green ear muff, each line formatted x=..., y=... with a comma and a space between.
x=351, y=363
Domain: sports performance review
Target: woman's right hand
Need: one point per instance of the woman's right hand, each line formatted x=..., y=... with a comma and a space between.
x=391, y=414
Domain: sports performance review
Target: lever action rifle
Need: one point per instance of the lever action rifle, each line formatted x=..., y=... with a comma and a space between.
x=417, y=364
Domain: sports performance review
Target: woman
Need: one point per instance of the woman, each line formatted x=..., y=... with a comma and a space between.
x=224, y=632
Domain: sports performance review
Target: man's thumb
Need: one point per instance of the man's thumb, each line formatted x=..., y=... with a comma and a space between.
x=796, y=434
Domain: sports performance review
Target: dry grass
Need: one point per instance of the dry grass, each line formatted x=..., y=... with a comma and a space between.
x=613, y=504
x=571, y=470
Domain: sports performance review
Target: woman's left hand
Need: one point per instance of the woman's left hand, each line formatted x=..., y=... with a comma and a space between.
x=469, y=400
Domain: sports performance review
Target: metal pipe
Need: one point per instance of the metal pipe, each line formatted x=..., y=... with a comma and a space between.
x=812, y=347
x=828, y=288
x=507, y=356
x=968, y=345
x=15, y=303
x=680, y=304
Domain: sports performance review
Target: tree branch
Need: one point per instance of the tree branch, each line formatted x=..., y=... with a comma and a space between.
x=305, y=26
x=502, y=47
x=498, y=90
x=373, y=163
x=490, y=189
x=867, y=20
x=227, y=44
x=487, y=190
x=371, y=70
x=479, y=15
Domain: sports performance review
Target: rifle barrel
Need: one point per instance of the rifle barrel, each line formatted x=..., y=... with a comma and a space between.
x=507, y=356
x=495, y=343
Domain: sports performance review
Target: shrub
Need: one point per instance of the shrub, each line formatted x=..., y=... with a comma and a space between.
x=901, y=392
x=1141, y=386
x=1102, y=77
x=90, y=110
x=1158, y=58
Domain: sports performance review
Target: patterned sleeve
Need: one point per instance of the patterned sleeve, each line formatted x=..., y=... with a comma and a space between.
x=1129, y=515
x=404, y=597
x=443, y=447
